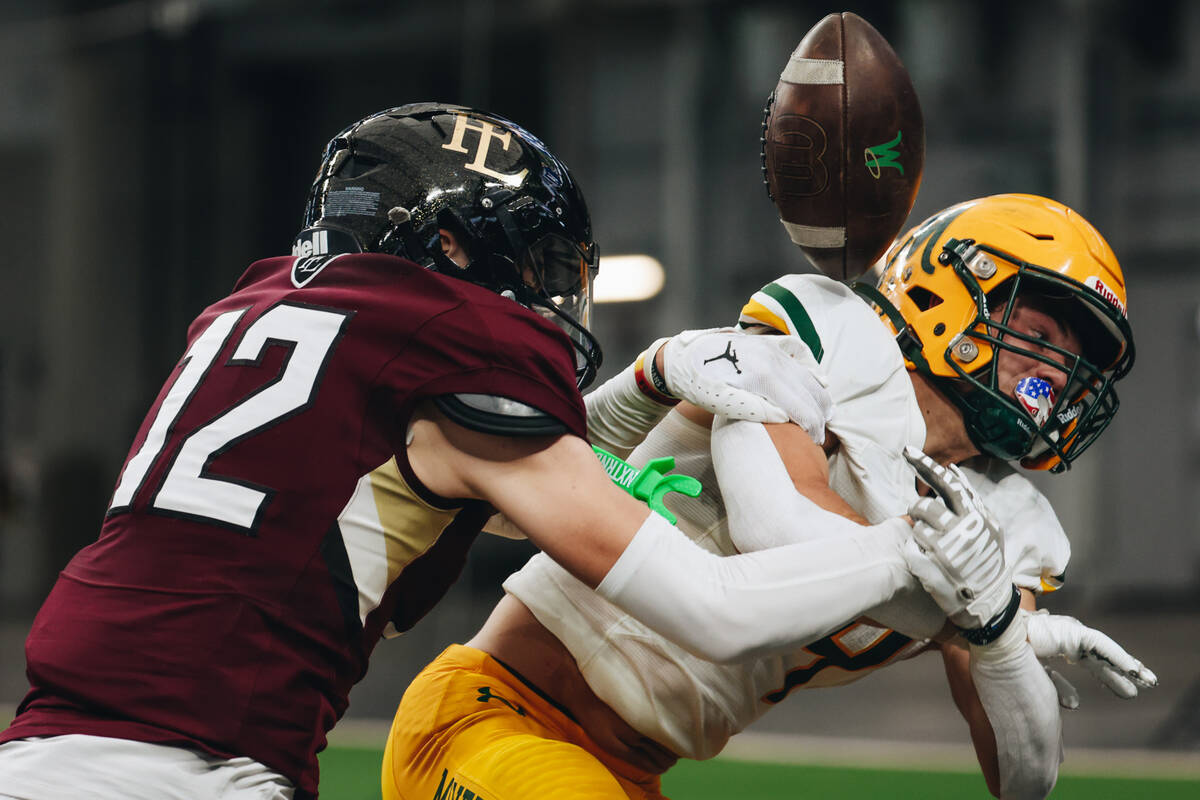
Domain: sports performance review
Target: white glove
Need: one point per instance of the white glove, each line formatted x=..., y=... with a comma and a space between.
x=743, y=376
x=1068, y=695
x=1059, y=636
x=957, y=552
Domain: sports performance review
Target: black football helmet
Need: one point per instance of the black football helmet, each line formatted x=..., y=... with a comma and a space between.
x=389, y=182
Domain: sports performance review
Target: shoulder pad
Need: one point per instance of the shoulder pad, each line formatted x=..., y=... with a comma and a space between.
x=498, y=416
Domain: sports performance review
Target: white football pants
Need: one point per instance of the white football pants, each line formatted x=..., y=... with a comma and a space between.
x=103, y=768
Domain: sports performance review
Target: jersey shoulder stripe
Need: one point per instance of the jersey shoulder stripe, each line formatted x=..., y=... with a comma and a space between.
x=778, y=307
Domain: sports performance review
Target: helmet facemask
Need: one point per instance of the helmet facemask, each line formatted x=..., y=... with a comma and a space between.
x=543, y=269
x=951, y=289
x=1031, y=421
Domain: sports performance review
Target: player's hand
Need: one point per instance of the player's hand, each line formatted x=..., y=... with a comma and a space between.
x=743, y=376
x=1059, y=636
x=957, y=553
x=1068, y=695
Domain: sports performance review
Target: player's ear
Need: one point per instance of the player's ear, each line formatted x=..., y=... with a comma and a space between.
x=452, y=249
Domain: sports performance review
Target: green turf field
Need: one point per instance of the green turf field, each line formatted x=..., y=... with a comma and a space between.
x=353, y=774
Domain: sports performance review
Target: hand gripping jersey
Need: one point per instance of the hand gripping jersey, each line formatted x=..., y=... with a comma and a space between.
x=266, y=526
x=693, y=706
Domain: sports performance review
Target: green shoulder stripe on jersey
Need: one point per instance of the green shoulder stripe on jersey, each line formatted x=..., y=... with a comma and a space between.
x=798, y=316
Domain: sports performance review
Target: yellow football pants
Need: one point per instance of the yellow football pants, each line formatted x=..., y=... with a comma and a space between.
x=468, y=729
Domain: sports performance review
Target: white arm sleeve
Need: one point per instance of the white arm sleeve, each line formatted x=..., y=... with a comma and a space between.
x=1022, y=706
x=733, y=608
x=618, y=415
x=761, y=502
x=765, y=510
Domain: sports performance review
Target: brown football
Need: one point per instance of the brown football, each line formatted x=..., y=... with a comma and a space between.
x=843, y=145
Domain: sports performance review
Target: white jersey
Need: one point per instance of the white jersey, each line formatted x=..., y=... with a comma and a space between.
x=693, y=706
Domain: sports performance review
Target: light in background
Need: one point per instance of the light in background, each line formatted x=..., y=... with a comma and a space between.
x=628, y=279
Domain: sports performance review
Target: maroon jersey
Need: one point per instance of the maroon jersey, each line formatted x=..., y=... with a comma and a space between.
x=266, y=526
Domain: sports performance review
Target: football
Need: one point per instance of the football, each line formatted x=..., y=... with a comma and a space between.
x=843, y=145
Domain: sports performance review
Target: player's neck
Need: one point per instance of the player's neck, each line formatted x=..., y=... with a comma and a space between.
x=946, y=439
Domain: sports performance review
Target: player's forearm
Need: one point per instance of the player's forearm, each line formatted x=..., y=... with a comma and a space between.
x=720, y=608
x=1022, y=707
x=957, y=661
x=729, y=609
x=620, y=414
x=774, y=498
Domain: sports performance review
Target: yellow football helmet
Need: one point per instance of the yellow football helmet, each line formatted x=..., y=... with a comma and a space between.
x=948, y=289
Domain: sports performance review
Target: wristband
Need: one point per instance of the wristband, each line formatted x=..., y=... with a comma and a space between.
x=997, y=625
x=652, y=385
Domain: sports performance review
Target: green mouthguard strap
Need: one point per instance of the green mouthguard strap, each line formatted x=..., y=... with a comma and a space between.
x=650, y=484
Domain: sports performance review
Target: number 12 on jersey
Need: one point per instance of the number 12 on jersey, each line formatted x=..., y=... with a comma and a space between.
x=189, y=488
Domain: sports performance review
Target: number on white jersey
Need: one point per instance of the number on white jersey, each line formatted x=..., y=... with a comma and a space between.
x=833, y=651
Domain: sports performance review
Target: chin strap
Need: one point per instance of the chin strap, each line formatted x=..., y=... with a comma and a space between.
x=906, y=338
x=586, y=345
x=993, y=427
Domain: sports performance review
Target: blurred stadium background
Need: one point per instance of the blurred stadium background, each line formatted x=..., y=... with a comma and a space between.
x=151, y=149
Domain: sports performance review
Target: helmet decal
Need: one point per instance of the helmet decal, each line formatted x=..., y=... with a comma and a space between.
x=924, y=236
x=351, y=200
x=487, y=133
x=1094, y=283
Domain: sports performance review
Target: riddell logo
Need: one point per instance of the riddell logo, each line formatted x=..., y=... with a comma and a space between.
x=1071, y=413
x=1099, y=287
x=318, y=245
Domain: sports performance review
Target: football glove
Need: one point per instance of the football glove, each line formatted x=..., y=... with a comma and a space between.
x=1059, y=636
x=743, y=376
x=1068, y=695
x=957, y=553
